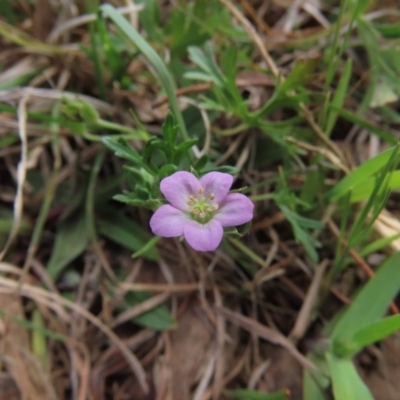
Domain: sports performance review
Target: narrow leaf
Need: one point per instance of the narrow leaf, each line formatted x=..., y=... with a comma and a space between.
x=71, y=241
x=347, y=384
x=162, y=71
x=339, y=97
x=377, y=331
x=361, y=173
x=372, y=301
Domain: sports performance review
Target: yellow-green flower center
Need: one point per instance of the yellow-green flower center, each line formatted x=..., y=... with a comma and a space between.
x=202, y=206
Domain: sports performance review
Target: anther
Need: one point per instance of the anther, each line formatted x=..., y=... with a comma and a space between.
x=202, y=214
x=213, y=207
x=211, y=196
x=201, y=191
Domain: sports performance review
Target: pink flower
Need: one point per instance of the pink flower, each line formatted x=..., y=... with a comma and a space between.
x=200, y=208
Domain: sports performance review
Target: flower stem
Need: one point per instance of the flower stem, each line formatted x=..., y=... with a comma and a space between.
x=250, y=253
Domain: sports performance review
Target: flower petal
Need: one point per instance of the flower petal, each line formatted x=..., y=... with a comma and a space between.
x=178, y=187
x=168, y=221
x=236, y=209
x=217, y=183
x=203, y=237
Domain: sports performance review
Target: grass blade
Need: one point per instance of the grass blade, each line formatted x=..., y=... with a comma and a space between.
x=363, y=311
x=347, y=384
x=162, y=71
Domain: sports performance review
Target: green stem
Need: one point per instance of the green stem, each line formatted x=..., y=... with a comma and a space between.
x=262, y=197
x=250, y=253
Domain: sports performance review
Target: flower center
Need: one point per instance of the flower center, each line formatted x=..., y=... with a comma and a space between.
x=201, y=206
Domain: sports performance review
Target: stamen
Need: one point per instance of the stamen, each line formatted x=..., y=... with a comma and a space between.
x=213, y=207
x=201, y=206
x=191, y=200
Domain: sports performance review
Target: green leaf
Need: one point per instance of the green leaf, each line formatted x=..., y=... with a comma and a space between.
x=228, y=61
x=159, y=65
x=313, y=186
x=6, y=141
x=361, y=173
x=192, y=23
x=147, y=247
x=242, y=394
x=113, y=58
x=170, y=129
x=347, y=384
x=36, y=327
x=378, y=245
x=299, y=75
x=183, y=148
x=315, y=383
x=339, y=97
x=311, y=390
x=153, y=146
x=205, y=60
x=373, y=333
x=360, y=6
x=39, y=344
x=79, y=110
x=300, y=225
x=391, y=30
x=121, y=230
x=122, y=149
x=199, y=76
x=371, y=303
x=7, y=11
x=133, y=200
x=364, y=190
x=167, y=170
x=71, y=240
x=223, y=168
x=356, y=119
x=159, y=318
x=150, y=20
x=201, y=163
x=144, y=176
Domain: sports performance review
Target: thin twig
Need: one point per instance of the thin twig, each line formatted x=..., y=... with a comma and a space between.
x=53, y=301
x=304, y=315
x=267, y=334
